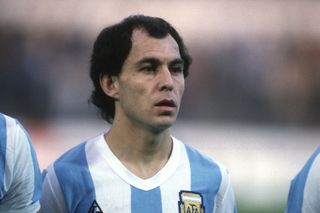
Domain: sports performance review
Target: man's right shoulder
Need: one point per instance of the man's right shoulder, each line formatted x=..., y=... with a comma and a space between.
x=73, y=161
x=75, y=156
x=71, y=170
x=67, y=165
x=68, y=179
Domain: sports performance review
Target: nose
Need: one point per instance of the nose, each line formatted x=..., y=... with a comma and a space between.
x=166, y=81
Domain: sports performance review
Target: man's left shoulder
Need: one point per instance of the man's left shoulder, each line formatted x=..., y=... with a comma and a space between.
x=202, y=160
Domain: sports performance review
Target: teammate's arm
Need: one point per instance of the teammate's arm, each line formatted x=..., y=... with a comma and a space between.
x=22, y=178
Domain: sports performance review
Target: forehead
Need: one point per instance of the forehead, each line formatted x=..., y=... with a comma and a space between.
x=145, y=46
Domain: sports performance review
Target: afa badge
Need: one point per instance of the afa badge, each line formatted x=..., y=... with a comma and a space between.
x=190, y=202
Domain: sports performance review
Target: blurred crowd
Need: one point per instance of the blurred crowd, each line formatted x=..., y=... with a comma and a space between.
x=273, y=80
x=242, y=79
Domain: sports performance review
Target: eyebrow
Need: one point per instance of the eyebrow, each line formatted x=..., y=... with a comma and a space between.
x=176, y=61
x=156, y=61
x=149, y=60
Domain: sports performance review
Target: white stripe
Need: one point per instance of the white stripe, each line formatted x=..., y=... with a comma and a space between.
x=112, y=193
x=10, y=158
x=181, y=180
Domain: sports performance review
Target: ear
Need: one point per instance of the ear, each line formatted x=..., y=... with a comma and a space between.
x=109, y=85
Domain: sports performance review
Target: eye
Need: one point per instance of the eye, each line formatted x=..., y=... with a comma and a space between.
x=176, y=69
x=148, y=69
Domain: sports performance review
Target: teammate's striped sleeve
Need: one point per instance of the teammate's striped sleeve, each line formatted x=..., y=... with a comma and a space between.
x=20, y=178
x=304, y=194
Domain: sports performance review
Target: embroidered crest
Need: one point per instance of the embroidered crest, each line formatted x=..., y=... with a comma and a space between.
x=95, y=208
x=190, y=202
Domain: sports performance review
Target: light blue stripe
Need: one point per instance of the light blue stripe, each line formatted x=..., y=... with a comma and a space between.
x=37, y=174
x=146, y=201
x=3, y=148
x=44, y=174
x=75, y=179
x=205, y=178
x=295, y=199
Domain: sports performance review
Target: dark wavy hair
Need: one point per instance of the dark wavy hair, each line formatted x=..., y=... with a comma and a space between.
x=112, y=47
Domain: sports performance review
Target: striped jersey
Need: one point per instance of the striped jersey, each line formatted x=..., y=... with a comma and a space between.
x=90, y=178
x=20, y=177
x=304, y=195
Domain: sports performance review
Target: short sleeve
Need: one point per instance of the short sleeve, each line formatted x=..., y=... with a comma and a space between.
x=21, y=186
x=225, y=201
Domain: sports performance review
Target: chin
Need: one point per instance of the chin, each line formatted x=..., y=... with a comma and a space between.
x=163, y=124
x=160, y=128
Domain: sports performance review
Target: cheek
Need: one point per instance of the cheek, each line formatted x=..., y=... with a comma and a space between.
x=133, y=91
x=139, y=88
x=180, y=87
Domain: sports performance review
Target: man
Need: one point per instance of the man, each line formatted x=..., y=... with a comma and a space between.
x=138, y=68
x=304, y=195
x=20, y=178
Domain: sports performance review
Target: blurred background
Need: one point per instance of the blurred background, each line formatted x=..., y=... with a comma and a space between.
x=252, y=100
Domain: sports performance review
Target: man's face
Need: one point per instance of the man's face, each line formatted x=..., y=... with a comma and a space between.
x=151, y=83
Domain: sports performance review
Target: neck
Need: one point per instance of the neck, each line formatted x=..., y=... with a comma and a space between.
x=143, y=152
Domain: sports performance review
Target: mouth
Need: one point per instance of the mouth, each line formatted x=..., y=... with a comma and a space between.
x=166, y=103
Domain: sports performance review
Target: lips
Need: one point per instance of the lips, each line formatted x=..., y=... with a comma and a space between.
x=166, y=103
